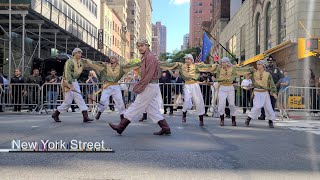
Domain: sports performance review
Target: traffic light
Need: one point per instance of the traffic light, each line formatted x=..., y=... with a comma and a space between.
x=312, y=44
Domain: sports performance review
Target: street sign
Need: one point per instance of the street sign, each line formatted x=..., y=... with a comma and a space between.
x=100, y=39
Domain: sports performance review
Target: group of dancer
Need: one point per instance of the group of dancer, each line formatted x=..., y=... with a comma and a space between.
x=148, y=91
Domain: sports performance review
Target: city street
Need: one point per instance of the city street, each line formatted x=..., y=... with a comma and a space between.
x=191, y=152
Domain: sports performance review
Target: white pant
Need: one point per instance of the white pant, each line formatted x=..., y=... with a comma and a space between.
x=193, y=91
x=147, y=101
x=69, y=96
x=226, y=92
x=262, y=99
x=115, y=92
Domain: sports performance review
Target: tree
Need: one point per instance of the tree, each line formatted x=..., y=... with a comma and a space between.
x=178, y=56
x=164, y=56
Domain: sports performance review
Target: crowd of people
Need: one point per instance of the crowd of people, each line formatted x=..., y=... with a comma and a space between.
x=185, y=86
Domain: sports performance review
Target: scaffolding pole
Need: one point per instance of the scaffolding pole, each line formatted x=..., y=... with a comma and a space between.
x=23, y=41
x=10, y=50
x=39, y=48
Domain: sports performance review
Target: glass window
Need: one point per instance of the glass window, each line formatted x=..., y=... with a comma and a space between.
x=200, y=11
x=200, y=3
x=282, y=21
x=268, y=37
x=258, y=33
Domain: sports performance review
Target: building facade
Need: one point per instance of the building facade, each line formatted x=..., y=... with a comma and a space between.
x=116, y=35
x=51, y=27
x=185, y=42
x=273, y=27
x=146, y=19
x=200, y=10
x=133, y=26
x=106, y=26
x=159, y=39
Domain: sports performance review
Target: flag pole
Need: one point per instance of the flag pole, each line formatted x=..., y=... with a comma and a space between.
x=236, y=59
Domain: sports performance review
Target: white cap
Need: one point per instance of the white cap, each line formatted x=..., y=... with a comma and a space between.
x=262, y=62
x=189, y=56
x=226, y=60
x=76, y=50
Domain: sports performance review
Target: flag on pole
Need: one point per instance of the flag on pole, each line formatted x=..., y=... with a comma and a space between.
x=206, y=46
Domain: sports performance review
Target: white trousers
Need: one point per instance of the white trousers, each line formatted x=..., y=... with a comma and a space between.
x=226, y=92
x=262, y=99
x=193, y=92
x=115, y=92
x=147, y=101
x=69, y=96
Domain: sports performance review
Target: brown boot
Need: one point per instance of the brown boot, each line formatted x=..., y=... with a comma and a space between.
x=55, y=116
x=201, y=120
x=122, y=125
x=184, y=117
x=234, y=121
x=121, y=116
x=98, y=115
x=144, y=117
x=165, y=129
x=221, y=120
x=86, y=117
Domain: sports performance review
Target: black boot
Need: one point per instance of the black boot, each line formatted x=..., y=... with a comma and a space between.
x=165, y=129
x=234, y=121
x=121, y=116
x=86, y=117
x=201, y=120
x=144, y=117
x=221, y=120
x=55, y=116
x=98, y=115
x=121, y=127
x=271, y=124
x=262, y=117
x=184, y=117
x=248, y=121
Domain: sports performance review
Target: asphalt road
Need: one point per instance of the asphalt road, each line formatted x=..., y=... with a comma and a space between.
x=191, y=152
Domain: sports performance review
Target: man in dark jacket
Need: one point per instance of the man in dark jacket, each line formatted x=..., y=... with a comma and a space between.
x=17, y=91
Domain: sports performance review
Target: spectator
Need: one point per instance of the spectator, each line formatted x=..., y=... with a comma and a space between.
x=246, y=86
x=313, y=92
x=17, y=91
x=3, y=90
x=178, y=89
x=206, y=90
x=92, y=79
x=33, y=90
x=166, y=90
x=124, y=87
x=52, y=89
x=284, y=93
x=130, y=88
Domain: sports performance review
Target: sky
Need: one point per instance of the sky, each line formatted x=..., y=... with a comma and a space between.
x=174, y=14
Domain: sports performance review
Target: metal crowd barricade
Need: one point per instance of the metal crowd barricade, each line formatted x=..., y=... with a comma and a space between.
x=19, y=95
x=52, y=96
x=299, y=99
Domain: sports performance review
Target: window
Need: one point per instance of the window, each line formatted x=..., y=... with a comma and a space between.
x=281, y=21
x=200, y=11
x=200, y=3
x=268, y=36
x=132, y=12
x=258, y=33
x=242, y=43
x=196, y=11
x=196, y=4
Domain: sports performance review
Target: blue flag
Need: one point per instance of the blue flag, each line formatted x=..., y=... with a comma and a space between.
x=206, y=46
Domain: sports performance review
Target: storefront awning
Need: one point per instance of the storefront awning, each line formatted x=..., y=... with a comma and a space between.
x=266, y=53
